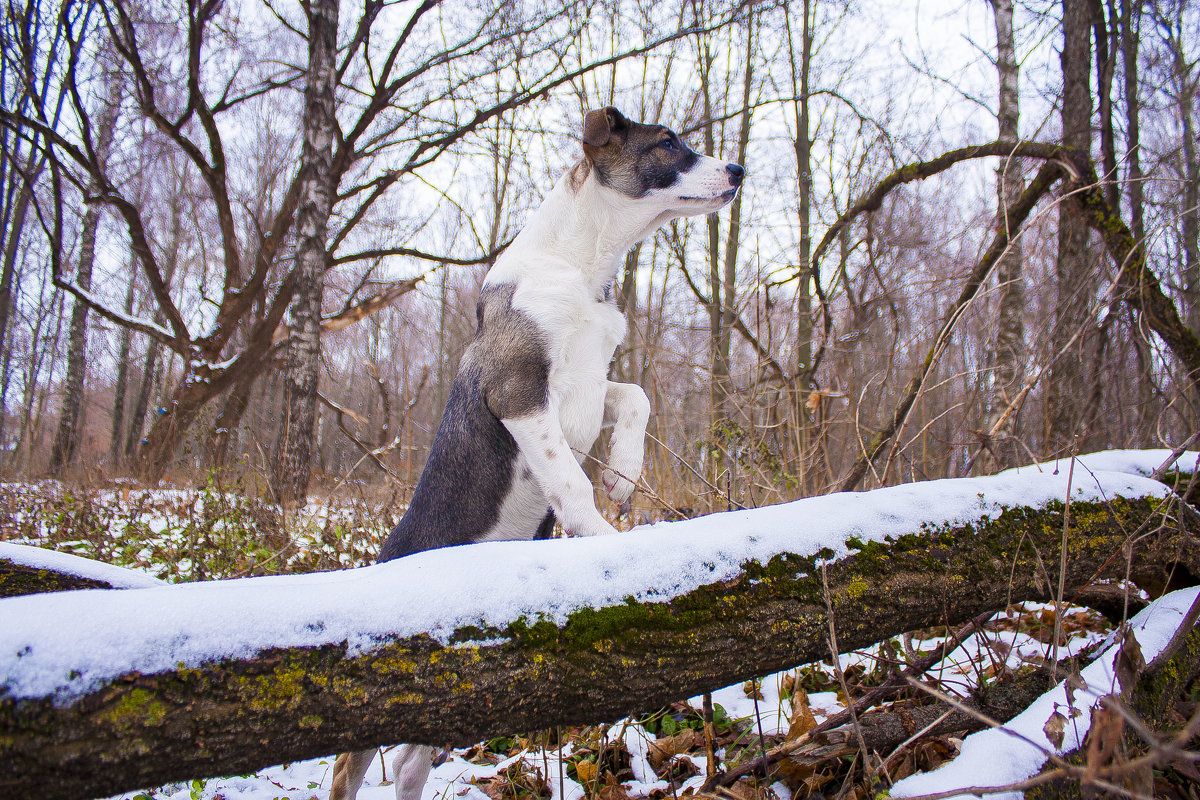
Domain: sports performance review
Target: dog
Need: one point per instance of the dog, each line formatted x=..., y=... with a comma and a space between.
x=531, y=393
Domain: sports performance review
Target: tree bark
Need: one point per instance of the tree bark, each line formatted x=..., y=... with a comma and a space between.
x=7, y=275
x=121, y=388
x=719, y=367
x=293, y=463
x=1073, y=277
x=1130, y=25
x=18, y=579
x=803, y=369
x=734, y=232
x=1190, y=215
x=1008, y=364
x=602, y=663
x=70, y=421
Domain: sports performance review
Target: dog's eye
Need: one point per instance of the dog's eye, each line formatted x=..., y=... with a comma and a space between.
x=668, y=145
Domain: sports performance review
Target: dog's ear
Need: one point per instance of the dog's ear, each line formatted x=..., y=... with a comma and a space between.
x=601, y=125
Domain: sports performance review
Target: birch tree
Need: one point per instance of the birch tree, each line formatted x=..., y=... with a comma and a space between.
x=294, y=459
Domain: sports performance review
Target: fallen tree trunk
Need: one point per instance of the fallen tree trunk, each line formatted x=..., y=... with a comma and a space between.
x=30, y=570
x=76, y=732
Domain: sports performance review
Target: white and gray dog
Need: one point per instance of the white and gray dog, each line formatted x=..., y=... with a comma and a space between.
x=532, y=391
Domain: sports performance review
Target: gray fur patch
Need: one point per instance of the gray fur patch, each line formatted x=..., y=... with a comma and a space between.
x=513, y=361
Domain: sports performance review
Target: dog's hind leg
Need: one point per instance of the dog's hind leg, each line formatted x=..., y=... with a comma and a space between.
x=410, y=770
x=627, y=410
x=348, y=772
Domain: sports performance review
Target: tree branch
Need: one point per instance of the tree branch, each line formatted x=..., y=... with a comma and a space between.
x=1006, y=229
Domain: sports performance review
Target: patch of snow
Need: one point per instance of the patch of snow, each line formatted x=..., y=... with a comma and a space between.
x=40, y=558
x=99, y=635
x=1134, y=462
x=637, y=744
x=773, y=711
x=1003, y=756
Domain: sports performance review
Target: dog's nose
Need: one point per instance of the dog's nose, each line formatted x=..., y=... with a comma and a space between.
x=736, y=173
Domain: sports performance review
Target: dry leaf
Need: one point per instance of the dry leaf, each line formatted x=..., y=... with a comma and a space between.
x=1107, y=728
x=1054, y=728
x=742, y=790
x=1130, y=663
x=613, y=791
x=802, y=717
x=670, y=746
x=586, y=770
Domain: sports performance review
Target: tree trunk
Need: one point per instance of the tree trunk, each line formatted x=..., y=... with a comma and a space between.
x=7, y=275
x=719, y=367
x=1189, y=213
x=121, y=389
x=733, y=235
x=70, y=421
x=141, y=403
x=802, y=370
x=629, y=366
x=1008, y=365
x=293, y=462
x=1130, y=24
x=1074, y=280
x=225, y=427
x=602, y=663
x=155, y=451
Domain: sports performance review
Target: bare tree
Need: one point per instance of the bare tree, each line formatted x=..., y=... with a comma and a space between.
x=295, y=448
x=1073, y=278
x=1183, y=91
x=29, y=55
x=66, y=437
x=1008, y=357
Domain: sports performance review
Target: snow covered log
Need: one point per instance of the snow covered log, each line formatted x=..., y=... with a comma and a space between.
x=28, y=570
x=103, y=691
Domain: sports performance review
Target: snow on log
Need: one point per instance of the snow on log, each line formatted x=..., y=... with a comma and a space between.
x=104, y=691
x=25, y=570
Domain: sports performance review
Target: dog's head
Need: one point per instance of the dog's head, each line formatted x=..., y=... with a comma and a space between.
x=648, y=162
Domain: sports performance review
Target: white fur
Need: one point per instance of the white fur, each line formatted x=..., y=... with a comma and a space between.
x=561, y=264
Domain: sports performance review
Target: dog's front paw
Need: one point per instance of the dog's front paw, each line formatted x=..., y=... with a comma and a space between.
x=593, y=525
x=616, y=486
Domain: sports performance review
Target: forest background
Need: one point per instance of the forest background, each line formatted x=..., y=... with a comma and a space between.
x=245, y=239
